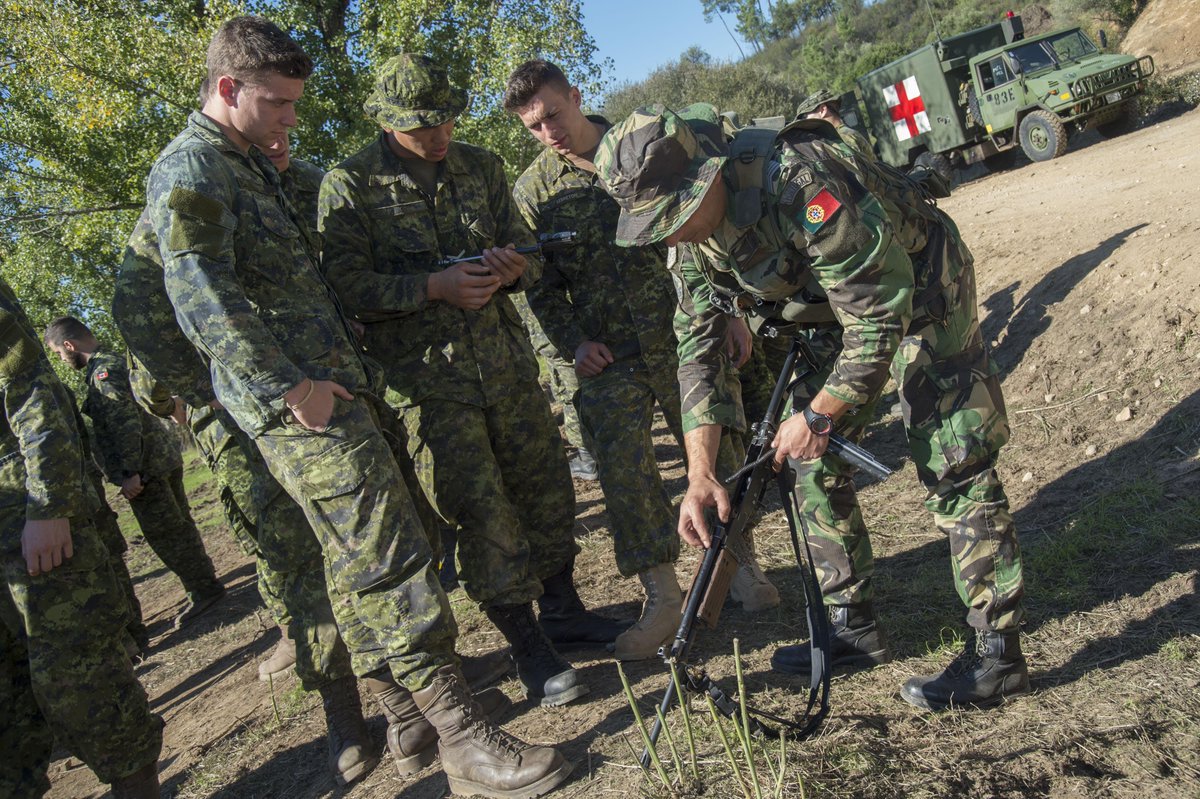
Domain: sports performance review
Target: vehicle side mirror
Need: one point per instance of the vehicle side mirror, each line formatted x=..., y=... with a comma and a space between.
x=1104, y=39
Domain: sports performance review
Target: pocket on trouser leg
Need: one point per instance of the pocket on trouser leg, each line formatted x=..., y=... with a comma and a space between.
x=954, y=411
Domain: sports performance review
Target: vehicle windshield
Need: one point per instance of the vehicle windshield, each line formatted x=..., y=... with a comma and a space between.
x=1033, y=56
x=1044, y=53
x=1072, y=45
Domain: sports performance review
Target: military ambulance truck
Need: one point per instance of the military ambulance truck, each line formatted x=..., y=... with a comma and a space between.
x=981, y=94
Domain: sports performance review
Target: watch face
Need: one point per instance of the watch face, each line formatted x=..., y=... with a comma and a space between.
x=819, y=423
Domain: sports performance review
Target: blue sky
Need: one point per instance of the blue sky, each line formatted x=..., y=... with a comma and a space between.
x=639, y=35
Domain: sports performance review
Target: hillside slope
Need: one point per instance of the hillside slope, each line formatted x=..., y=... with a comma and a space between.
x=1169, y=30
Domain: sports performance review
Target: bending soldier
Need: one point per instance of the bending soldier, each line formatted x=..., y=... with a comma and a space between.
x=785, y=229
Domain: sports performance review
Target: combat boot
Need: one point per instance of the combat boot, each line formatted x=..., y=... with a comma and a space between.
x=567, y=623
x=198, y=603
x=481, y=671
x=351, y=754
x=982, y=676
x=410, y=738
x=282, y=658
x=856, y=641
x=478, y=756
x=752, y=588
x=583, y=466
x=544, y=674
x=660, y=615
x=141, y=784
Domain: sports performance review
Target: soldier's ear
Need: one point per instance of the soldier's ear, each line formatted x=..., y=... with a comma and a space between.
x=576, y=97
x=227, y=89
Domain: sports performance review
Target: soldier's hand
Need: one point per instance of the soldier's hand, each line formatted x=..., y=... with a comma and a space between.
x=45, y=544
x=505, y=263
x=702, y=492
x=795, y=440
x=313, y=409
x=592, y=358
x=132, y=486
x=738, y=341
x=466, y=285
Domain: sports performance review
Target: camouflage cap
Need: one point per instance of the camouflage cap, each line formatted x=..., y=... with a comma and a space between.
x=816, y=100
x=657, y=164
x=412, y=92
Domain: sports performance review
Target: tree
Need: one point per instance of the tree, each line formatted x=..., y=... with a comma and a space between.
x=92, y=91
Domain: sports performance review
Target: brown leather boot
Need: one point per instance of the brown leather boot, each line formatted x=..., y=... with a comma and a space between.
x=351, y=755
x=410, y=738
x=660, y=615
x=141, y=784
x=479, y=757
x=282, y=658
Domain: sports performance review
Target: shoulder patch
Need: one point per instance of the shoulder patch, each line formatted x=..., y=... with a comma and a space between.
x=193, y=203
x=101, y=375
x=797, y=184
x=820, y=209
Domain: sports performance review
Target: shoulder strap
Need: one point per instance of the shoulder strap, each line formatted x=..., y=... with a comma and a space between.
x=750, y=152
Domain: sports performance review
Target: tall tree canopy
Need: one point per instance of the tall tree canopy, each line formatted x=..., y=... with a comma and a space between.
x=92, y=90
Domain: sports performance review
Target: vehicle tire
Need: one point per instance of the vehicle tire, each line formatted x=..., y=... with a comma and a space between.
x=1043, y=136
x=937, y=163
x=1124, y=123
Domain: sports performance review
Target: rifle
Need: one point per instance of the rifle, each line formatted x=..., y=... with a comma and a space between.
x=547, y=242
x=715, y=573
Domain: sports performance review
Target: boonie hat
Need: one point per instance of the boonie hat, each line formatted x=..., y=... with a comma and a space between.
x=657, y=164
x=816, y=100
x=412, y=92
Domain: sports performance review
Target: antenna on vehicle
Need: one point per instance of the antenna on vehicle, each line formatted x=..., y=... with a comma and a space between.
x=933, y=21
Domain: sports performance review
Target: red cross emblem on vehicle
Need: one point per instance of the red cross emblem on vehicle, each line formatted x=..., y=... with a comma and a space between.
x=907, y=109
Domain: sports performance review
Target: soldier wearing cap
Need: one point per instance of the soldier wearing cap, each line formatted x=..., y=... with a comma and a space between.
x=806, y=242
x=825, y=105
x=242, y=276
x=455, y=353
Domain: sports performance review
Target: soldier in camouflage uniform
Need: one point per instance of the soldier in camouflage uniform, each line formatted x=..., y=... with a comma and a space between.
x=267, y=523
x=239, y=269
x=815, y=248
x=611, y=309
x=139, y=454
x=64, y=675
x=825, y=105
x=458, y=358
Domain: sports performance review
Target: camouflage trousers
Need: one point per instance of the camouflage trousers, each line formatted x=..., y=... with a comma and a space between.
x=380, y=566
x=956, y=423
x=64, y=673
x=272, y=529
x=105, y=523
x=564, y=383
x=617, y=410
x=166, y=520
x=501, y=475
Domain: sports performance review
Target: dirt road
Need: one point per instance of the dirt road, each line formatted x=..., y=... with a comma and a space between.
x=1089, y=283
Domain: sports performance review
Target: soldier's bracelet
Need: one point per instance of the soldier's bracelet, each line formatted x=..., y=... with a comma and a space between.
x=311, y=387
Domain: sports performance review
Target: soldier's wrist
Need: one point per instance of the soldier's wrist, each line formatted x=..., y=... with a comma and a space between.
x=295, y=405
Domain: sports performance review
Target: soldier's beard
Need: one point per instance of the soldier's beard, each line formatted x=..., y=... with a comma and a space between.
x=76, y=360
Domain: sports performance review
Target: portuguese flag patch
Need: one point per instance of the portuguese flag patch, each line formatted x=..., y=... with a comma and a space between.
x=820, y=209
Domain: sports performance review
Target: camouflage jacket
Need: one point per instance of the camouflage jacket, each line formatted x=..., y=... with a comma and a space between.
x=820, y=242
x=128, y=439
x=143, y=311
x=242, y=276
x=383, y=237
x=597, y=291
x=42, y=467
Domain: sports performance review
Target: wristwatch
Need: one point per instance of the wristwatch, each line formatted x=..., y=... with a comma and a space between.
x=820, y=423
